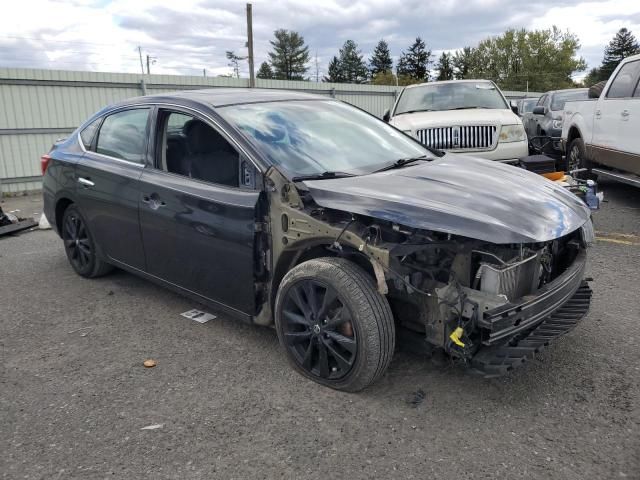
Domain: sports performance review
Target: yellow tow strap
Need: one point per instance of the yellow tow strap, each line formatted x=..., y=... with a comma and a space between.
x=455, y=336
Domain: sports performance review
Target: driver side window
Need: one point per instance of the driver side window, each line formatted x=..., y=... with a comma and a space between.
x=192, y=148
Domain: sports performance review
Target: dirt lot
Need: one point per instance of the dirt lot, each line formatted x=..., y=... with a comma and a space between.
x=74, y=396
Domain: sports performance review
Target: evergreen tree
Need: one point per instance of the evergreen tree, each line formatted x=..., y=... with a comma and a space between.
x=353, y=69
x=334, y=72
x=380, y=61
x=264, y=71
x=621, y=46
x=445, y=67
x=290, y=55
x=414, y=63
x=462, y=63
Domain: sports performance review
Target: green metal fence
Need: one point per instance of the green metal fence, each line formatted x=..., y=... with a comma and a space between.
x=39, y=106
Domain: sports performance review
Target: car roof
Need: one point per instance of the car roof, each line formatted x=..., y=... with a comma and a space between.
x=220, y=97
x=553, y=92
x=441, y=82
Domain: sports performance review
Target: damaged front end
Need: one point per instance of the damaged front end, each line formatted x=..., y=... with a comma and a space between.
x=488, y=274
x=490, y=306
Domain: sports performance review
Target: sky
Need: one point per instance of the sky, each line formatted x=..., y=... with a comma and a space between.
x=186, y=37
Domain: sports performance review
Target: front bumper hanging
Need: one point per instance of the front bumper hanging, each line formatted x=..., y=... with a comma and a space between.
x=498, y=359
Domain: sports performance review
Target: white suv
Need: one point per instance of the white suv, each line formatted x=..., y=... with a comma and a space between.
x=464, y=116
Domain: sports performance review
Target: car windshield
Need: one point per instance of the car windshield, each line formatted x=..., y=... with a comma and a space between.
x=311, y=137
x=528, y=104
x=560, y=98
x=450, y=96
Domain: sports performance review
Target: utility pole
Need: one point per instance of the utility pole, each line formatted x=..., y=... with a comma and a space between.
x=252, y=78
x=141, y=64
x=317, y=69
x=204, y=72
x=150, y=61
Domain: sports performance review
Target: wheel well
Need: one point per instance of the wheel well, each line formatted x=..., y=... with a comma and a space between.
x=573, y=134
x=290, y=259
x=61, y=206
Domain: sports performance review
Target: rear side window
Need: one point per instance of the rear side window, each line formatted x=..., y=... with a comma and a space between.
x=88, y=132
x=625, y=81
x=124, y=135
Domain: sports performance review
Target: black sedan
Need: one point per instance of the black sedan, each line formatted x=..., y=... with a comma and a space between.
x=311, y=215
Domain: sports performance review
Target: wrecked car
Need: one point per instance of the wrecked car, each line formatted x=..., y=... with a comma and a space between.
x=308, y=214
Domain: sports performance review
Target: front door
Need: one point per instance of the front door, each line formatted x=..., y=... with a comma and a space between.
x=617, y=122
x=197, y=219
x=108, y=185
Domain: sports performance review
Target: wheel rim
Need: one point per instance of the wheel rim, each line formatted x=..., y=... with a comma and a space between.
x=77, y=243
x=318, y=330
x=574, y=158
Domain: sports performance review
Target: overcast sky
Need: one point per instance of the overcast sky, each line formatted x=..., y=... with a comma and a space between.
x=186, y=36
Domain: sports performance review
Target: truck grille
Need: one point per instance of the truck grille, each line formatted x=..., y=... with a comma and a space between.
x=468, y=137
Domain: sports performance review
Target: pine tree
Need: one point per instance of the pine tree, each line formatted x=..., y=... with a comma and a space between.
x=445, y=67
x=264, y=71
x=353, y=69
x=415, y=62
x=621, y=46
x=380, y=61
x=334, y=72
x=290, y=55
x=462, y=63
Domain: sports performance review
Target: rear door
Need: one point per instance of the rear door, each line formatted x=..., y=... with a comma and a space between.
x=107, y=184
x=197, y=218
x=617, y=121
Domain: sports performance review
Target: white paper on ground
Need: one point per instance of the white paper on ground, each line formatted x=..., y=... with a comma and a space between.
x=44, y=223
x=198, y=315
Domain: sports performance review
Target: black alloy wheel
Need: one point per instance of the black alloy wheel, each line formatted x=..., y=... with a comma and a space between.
x=336, y=328
x=79, y=245
x=318, y=331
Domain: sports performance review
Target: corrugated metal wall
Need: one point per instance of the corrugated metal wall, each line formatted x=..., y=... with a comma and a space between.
x=39, y=106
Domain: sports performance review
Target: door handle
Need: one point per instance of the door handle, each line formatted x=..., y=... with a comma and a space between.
x=598, y=113
x=86, y=182
x=625, y=113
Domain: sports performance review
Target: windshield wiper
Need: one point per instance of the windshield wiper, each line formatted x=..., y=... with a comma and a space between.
x=465, y=108
x=402, y=162
x=415, y=111
x=322, y=176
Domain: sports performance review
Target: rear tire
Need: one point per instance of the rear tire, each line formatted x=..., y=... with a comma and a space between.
x=334, y=325
x=80, y=246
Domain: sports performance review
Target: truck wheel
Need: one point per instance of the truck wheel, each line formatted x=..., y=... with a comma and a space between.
x=79, y=245
x=576, y=158
x=334, y=325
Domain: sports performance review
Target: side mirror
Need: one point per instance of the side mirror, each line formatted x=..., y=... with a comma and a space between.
x=539, y=110
x=514, y=107
x=387, y=115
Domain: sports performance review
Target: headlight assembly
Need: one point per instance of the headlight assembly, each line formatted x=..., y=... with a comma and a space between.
x=557, y=123
x=512, y=133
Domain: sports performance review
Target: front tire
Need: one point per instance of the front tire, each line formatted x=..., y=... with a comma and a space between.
x=80, y=246
x=334, y=325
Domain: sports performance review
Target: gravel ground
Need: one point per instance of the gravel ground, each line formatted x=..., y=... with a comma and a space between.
x=74, y=396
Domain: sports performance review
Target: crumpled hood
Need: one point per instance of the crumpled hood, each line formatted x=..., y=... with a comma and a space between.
x=461, y=195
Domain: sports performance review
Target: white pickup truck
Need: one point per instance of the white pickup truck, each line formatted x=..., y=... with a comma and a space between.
x=603, y=133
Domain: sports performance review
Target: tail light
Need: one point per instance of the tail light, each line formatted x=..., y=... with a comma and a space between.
x=44, y=162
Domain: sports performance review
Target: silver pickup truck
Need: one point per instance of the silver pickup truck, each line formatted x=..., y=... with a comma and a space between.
x=603, y=133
